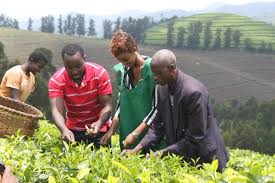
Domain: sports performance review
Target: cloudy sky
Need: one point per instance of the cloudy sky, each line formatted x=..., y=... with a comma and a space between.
x=22, y=9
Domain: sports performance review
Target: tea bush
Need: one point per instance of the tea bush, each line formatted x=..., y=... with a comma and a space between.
x=45, y=158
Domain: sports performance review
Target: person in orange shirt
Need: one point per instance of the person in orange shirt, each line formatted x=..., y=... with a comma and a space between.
x=18, y=82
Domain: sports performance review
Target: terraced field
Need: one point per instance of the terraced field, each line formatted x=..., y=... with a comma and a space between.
x=257, y=31
x=227, y=74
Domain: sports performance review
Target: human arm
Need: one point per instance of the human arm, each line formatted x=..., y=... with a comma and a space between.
x=14, y=93
x=152, y=137
x=56, y=95
x=107, y=136
x=104, y=92
x=133, y=136
x=57, y=108
x=145, y=124
x=196, y=126
x=13, y=80
x=105, y=102
x=114, y=127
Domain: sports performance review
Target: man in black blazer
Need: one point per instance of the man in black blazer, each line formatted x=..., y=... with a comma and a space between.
x=185, y=116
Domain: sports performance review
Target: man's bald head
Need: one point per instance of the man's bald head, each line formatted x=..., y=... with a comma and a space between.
x=164, y=58
x=163, y=65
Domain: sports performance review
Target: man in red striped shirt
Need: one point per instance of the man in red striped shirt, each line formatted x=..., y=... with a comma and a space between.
x=84, y=90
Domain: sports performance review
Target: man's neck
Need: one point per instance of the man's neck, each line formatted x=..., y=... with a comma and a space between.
x=172, y=84
x=79, y=81
x=26, y=69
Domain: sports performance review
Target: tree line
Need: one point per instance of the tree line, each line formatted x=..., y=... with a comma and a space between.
x=248, y=125
x=6, y=21
x=75, y=25
x=200, y=36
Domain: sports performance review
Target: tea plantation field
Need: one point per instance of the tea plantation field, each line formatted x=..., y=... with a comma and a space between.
x=45, y=158
x=257, y=31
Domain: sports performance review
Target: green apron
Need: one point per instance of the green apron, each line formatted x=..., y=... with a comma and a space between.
x=135, y=104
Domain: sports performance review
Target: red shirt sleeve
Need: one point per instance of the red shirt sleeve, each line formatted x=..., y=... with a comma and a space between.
x=104, y=83
x=55, y=89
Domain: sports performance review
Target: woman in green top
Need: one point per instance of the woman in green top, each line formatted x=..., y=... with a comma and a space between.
x=136, y=104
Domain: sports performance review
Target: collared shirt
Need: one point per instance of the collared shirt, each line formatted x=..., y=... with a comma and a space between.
x=81, y=102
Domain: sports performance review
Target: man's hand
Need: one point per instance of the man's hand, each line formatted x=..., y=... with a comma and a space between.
x=130, y=139
x=68, y=135
x=94, y=128
x=127, y=152
x=106, y=138
x=154, y=154
x=8, y=177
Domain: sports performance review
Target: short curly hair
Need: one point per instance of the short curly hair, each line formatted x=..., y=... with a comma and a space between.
x=71, y=49
x=122, y=42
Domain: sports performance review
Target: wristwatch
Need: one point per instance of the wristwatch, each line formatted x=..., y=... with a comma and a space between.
x=135, y=134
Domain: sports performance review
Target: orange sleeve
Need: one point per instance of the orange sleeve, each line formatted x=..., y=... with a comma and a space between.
x=13, y=79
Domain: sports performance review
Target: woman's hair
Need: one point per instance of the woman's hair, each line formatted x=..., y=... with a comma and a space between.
x=122, y=42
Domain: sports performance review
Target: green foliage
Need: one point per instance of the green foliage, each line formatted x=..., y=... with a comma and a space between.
x=170, y=30
x=4, y=62
x=80, y=21
x=249, y=125
x=6, y=21
x=181, y=39
x=44, y=158
x=236, y=38
x=207, y=35
x=248, y=44
x=68, y=28
x=194, y=30
x=227, y=37
x=217, y=41
x=91, y=29
x=60, y=25
x=136, y=27
x=235, y=27
x=107, y=29
x=47, y=24
x=30, y=21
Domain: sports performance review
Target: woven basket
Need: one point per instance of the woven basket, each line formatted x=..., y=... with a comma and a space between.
x=15, y=115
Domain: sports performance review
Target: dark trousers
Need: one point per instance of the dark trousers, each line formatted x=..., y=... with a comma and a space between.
x=82, y=136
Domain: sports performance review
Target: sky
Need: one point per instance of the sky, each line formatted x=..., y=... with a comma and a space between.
x=23, y=9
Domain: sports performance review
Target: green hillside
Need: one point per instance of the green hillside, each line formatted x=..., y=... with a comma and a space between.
x=20, y=43
x=257, y=31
